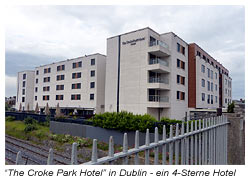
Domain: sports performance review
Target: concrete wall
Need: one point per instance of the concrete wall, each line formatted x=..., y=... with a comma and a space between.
x=98, y=133
x=236, y=136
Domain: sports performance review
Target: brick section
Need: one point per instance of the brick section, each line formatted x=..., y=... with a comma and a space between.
x=191, y=76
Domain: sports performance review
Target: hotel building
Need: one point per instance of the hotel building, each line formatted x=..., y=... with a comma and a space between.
x=76, y=84
x=147, y=72
x=144, y=73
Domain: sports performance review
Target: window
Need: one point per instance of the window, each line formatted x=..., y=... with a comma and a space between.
x=215, y=87
x=60, y=77
x=226, y=100
x=36, y=81
x=35, y=98
x=91, y=96
x=212, y=74
x=204, y=57
x=92, y=73
x=75, y=96
x=180, y=95
x=202, y=68
x=178, y=63
x=203, y=96
x=212, y=101
x=215, y=75
x=92, y=84
x=46, y=97
x=23, y=93
x=208, y=85
x=76, y=86
x=37, y=72
x=183, y=50
x=203, y=82
x=59, y=97
x=198, y=53
x=178, y=79
x=60, y=87
x=60, y=68
x=23, y=83
x=226, y=81
x=36, y=89
x=92, y=62
x=46, y=70
x=23, y=99
x=24, y=76
x=77, y=64
x=208, y=99
x=182, y=80
x=226, y=91
x=76, y=75
x=46, y=88
x=208, y=72
x=178, y=47
x=212, y=87
x=216, y=100
x=46, y=79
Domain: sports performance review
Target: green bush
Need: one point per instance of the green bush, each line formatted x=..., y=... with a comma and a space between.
x=10, y=118
x=29, y=120
x=29, y=128
x=127, y=121
x=230, y=108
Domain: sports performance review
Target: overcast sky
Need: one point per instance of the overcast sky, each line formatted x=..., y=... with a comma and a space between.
x=37, y=35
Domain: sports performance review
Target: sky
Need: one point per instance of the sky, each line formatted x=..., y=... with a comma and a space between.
x=38, y=35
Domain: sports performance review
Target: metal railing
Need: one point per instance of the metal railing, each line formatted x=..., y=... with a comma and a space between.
x=157, y=42
x=158, y=61
x=158, y=80
x=204, y=142
x=158, y=98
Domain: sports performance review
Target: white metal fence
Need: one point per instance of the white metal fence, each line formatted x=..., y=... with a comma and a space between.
x=204, y=142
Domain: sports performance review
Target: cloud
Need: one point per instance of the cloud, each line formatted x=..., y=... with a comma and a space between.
x=10, y=86
x=49, y=33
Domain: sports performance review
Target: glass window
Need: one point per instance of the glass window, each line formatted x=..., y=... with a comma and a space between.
x=24, y=76
x=23, y=83
x=208, y=99
x=92, y=96
x=92, y=73
x=203, y=96
x=178, y=63
x=92, y=62
x=208, y=85
x=203, y=82
x=92, y=85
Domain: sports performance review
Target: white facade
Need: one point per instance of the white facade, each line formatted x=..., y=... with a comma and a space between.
x=207, y=85
x=71, y=84
x=25, y=90
x=226, y=90
x=141, y=74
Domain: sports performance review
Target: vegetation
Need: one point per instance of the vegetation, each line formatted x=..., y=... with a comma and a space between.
x=10, y=118
x=126, y=121
x=230, y=108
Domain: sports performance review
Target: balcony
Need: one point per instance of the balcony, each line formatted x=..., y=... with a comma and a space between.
x=159, y=48
x=158, y=65
x=158, y=83
x=157, y=101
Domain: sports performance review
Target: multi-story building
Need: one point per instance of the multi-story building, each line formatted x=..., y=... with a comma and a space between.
x=25, y=90
x=76, y=84
x=144, y=73
x=147, y=72
x=209, y=81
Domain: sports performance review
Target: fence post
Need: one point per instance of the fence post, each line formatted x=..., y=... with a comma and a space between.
x=125, y=148
x=147, y=144
x=136, y=147
x=187, y=144
x=94, y=151
x=50, y=157
x=111, y=148
x=200, y=153
x=164, y=148
x=171, y=146
x=177, y=145
x=156, y=149
x=74, y=154
x=192, y=144
x=19, y=158
x=182, y=144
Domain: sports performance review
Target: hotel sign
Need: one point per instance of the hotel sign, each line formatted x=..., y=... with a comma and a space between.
x=133, y=42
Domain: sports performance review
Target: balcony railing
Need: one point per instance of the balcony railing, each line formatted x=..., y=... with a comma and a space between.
x=158, y=98
x=158, y=80
x=158, y=61
x=157, y=42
